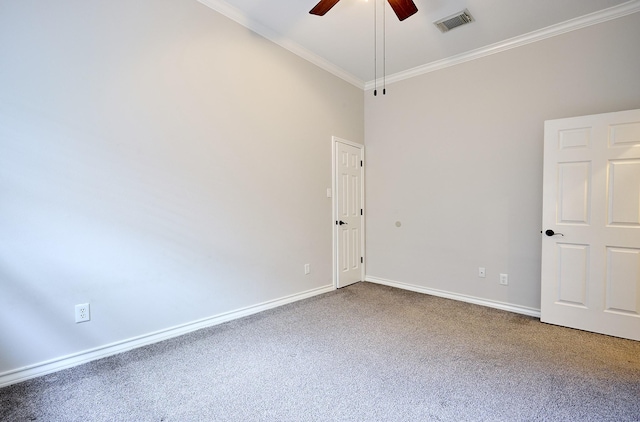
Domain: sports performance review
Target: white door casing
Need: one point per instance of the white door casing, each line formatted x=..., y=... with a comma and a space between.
x=348, y=212
x=591, y=201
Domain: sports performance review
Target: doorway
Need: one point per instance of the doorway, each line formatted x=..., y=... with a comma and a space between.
x=348, y=212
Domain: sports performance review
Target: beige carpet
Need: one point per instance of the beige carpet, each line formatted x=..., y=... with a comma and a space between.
x=363, y=353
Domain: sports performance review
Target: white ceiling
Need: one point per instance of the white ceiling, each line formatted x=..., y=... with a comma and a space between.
x=342, y=41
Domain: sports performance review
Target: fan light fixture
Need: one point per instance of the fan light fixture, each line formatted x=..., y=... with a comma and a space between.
x=402, y=8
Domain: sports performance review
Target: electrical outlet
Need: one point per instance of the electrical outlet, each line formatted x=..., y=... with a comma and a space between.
x=82, y=312
x=307, y=269
x=504, y=279
x=482, y=272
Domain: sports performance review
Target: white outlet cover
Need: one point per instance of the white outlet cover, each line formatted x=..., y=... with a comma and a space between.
x=83, y=312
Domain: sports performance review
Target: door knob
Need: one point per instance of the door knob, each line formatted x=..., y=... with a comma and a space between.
x=342, y=222
x=552, y=233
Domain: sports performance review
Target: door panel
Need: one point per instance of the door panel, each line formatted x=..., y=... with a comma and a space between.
x=591, y=201
x=625, y=134
x=623, y=280
x=575, y=138
x=573, y=263
x=574, y=187
x=624, y=203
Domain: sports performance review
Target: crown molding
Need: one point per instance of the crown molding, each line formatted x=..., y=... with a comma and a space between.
x=615, y=12
x=595, y=18
x=236, y=15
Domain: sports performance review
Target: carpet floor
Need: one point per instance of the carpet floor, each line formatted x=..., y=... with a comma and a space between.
x=363, y=353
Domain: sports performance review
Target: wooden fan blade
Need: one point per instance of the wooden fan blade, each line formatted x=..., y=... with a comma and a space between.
x=323, y=7
x=403, y=8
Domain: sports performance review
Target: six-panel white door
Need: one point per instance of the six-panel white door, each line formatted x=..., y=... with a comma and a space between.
x=349, y=218
x=591, y=202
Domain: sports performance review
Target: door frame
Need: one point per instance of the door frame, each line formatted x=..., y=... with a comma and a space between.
x=334, y=206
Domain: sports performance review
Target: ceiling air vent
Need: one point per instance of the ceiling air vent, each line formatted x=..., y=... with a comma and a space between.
x=454, y=21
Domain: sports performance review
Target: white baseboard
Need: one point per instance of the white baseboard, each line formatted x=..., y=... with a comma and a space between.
x=455, y=296
x=64, y=362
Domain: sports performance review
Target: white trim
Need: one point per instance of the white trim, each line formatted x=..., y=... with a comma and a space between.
x=64, y=362
x=334, y=141
x=524, y=310
x=286, y=43
x=595, y=18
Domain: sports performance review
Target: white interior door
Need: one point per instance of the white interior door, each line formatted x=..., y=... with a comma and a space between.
x=591, y=216
x=349, y=220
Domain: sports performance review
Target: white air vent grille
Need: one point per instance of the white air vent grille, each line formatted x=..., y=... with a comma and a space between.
x=454, y=21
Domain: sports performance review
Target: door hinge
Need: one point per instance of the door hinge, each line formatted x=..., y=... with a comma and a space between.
x=362, y=260
x=361, y=163
x=361, y=212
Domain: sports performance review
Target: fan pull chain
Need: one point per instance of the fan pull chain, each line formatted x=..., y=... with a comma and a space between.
x=375, y=48
x=384, y=50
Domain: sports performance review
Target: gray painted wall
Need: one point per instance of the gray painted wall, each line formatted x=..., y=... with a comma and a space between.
x=456, y=157
x=160, y=162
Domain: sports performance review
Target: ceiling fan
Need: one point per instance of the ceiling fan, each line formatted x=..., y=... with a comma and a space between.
x=402, y=8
